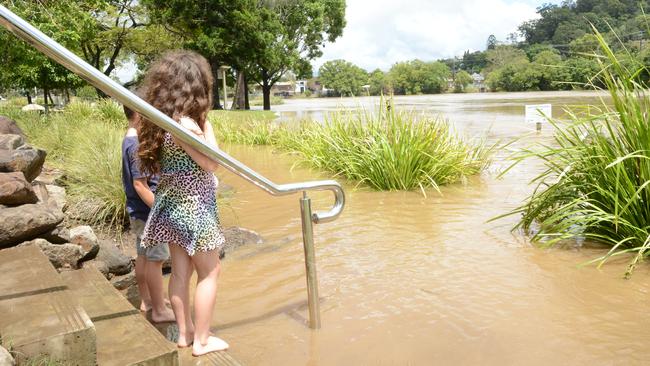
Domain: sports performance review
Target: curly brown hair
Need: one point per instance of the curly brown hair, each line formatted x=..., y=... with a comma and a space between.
x=179, y=84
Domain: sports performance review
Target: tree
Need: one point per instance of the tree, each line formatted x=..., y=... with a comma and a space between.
x=474, y=62
x=225, y=32
x=419, y=77
x=548, y=69
x=502, y=55
x=344, y=77
x=25, y=68
x=491, y=42
x=379, y=83
x=292, y=34
x=461, y=80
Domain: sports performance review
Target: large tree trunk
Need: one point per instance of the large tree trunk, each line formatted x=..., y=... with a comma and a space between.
x=247, y=104
x=266, y=90
x=29, y=98
x=216, y=103
x=239, y=99
x=45, y=93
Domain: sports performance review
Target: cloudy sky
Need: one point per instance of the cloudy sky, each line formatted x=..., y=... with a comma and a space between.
x=382, y=32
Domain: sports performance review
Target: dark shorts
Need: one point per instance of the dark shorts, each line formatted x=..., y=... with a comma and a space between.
x=156, y=253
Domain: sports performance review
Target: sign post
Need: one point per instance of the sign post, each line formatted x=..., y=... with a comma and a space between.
x=537, y=113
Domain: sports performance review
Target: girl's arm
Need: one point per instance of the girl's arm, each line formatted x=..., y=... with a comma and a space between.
x=142, y=189
x=203, y=161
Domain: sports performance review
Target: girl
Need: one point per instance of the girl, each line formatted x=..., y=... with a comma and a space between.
x=184, y=214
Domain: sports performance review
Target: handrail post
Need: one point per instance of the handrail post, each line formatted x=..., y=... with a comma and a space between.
x=310, y=261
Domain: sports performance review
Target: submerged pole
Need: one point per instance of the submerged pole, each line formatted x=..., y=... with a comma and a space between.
x=310, y=261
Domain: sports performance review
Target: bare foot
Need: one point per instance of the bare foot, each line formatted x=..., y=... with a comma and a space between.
x=165, y=316
x=185, y=341
x=146, y=306
x=214, y=344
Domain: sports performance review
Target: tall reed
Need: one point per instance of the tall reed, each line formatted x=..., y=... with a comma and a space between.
x=596, y=182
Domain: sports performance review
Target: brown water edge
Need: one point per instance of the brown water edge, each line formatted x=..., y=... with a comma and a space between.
x=408, y=280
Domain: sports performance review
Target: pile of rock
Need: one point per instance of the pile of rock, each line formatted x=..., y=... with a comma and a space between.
x=32, y=211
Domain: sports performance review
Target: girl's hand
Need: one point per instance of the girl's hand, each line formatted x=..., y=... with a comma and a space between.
x=192, y=126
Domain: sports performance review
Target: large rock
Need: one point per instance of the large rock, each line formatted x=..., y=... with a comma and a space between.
x=27, y=159
x=9, y=126
x=15, y=189
x=118, y=263
x=50, y=194
x=86, y=238
x=58, y=235
x=26, y=222
x=237, y=237
x=5, y=358
x=60, y=255
x=98, y=265
x=11, y=142
x=50, y=175
x=124, y=282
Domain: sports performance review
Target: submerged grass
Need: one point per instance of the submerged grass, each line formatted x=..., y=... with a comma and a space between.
x=389, y=149
x=596, y=182
x=384, y=149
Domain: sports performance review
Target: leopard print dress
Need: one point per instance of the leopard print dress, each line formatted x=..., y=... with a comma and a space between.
x=184, y=211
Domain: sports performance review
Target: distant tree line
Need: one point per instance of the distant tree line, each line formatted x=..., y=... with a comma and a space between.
x=557, y=51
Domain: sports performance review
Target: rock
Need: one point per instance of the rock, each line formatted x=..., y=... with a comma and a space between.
x=237, y=237
x=11, y=141
x=117, y=262
x=26, y=222
x=27, y=159
x=98, y=265
x=50, y=176
x=5, y=358
x=9, y=126
x=124, y=282
x=33, y=108
x=60, y=255
x=58, y=235
x=86, y=239
x=15, y=190
x=56, y=196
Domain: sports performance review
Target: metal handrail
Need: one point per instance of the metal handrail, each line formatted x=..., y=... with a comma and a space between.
x=63, y=56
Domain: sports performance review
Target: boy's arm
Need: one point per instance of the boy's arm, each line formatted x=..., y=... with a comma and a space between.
x=142, y=189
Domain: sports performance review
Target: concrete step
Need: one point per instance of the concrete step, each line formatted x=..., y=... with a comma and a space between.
x=39, y=316
x=124, y=336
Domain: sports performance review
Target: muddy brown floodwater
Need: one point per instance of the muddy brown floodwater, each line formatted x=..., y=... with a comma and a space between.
x=409, y=280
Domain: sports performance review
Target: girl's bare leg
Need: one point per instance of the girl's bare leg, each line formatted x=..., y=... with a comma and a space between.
x=179, y=293
x=141, y=280
x=207, y=269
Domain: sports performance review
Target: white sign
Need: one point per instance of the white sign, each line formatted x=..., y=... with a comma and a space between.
x=535, y=112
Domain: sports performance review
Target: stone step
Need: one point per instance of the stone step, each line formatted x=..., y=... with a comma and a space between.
x=212, y=359
x=39, y=316
x=124, y=336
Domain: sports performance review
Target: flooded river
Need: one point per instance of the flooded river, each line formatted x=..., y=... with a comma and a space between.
x=409, y=280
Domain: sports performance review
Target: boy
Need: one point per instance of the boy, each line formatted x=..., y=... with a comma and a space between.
x=139, y=198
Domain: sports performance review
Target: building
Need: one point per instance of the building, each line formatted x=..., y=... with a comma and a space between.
x=479, y=82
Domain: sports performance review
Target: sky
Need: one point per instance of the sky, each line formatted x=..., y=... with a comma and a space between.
x=381, y=32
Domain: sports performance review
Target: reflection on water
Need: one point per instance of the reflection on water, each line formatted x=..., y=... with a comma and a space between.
x=408, y=280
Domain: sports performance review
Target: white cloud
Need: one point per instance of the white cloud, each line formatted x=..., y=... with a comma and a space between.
x=382, y=32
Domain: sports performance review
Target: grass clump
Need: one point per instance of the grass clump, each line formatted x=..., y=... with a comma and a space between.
x=389, y=150
x=84, y=141
x=596, y=184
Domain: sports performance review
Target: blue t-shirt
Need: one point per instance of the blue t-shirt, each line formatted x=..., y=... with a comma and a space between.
x=136, y=208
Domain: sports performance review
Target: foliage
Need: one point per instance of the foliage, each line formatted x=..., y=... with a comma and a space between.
x=389, y=150
x=379, y=83
x=344, y=77
x=419, y=77
x=461, y=80
x=595, y=185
